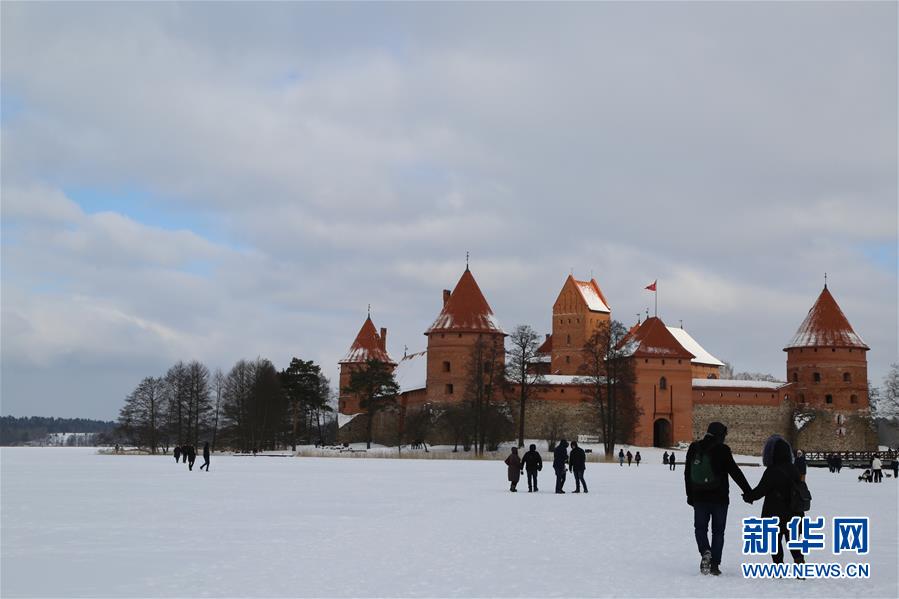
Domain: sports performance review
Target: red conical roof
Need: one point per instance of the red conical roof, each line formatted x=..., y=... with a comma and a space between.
x=466, y=310
x=367, y=346
x=652, y=339
x=826, y=326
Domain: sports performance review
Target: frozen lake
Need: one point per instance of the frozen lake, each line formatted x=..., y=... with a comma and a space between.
x=75, y=523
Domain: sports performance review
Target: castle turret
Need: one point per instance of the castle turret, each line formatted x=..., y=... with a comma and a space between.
x=465, y=318
x=826, y=359
x=368, y=345
x=578, y=311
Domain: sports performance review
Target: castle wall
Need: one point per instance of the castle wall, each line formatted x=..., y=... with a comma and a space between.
x=673, y=403
x=748, y=425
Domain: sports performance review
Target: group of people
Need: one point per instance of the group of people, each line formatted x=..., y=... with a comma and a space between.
x=669, y=460
x=563, y=462
x=629, y=456
x=709, y=465
x=834, y=463
x=188, y=454
x=874, y=474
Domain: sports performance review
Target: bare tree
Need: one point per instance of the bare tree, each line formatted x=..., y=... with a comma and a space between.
x=523, y=344
x=218, y=388
x=885, y=402
x=141, y=416
x=609, y=376
x=489, y=420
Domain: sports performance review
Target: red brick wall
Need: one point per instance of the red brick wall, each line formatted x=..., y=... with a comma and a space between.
x=832, y=364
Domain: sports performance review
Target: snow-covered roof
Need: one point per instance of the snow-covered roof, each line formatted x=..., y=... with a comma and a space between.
x=540, y=358
x=592, y=295
x=826, y=326
x=737, y=384
x=344, y=419
x=412, y=372
x=563, y=379
x=691, y=345
x=466, y=310
x=368, y=345
x=652, y=339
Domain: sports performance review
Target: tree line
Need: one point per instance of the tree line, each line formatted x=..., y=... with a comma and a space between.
x=29, y=429
x=252, y=407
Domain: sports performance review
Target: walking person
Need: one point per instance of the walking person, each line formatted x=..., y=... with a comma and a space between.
x=621, y=457
x=776, y=486
x=533, y=464
x=708, y=465
x=637, y=459
x=514, y=468
x=839, y=463
x=205, y=457
x=191, y=456
x=877, y=468
x=630, y=457
x=672, y=460
x=560, y=459
x=896, y=467
x=665, y=458
x=577, y=463
x=177, y=452
x=800, y=464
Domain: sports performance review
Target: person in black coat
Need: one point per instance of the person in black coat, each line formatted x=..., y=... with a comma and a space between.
x=533, y=464
x=665, y=458
x=776, y=487
x=710, y=497
x=800, y=464
x=577, y=463
x=205, y=457
x=177, y=453
x=560, y=459
x=672, y=461
x=191, y=457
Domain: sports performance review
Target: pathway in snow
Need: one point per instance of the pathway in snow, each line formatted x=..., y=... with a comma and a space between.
x=75, y=523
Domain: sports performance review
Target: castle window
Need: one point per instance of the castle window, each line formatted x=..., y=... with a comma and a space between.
x=442, y=335
x=679, y=361
x=460, y=335
x=833, y=349
x=828, y=399
x=646, y=360
x=663, y=361
x=568, y=359
x=815, y=350
x=569, y=321
x=663, y=383
x=795, y=377
x=568, y=339
x=449, y=388
x=561, y=390
x=702, y=394
x=853, y=399
x=847, y=378
x=817, y=377
x=446, y=367
x=802, y=398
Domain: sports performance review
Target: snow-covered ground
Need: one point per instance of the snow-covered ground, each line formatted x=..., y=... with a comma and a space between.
x=78, y=524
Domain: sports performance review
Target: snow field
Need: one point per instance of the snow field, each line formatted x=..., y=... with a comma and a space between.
x=79, y=524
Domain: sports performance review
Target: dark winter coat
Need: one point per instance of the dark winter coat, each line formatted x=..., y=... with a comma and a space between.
x=801, y=465
x=723, y=465
x=560, y=455
x=665, y=458
x=637, y=457
x=177, y=453
x=206, y=452
x=578, y=459
x=514, y=464
x=777, y=483
x=532, y=462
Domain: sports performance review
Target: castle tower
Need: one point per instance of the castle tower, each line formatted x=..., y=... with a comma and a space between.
x=664, y=384
x=827, y=361
x=578, y=311
x=369, y=345
x=465, y=318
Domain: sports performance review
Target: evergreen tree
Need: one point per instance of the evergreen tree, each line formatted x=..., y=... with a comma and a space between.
x=377, y=390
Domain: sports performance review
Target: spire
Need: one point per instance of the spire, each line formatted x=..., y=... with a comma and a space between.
x=466, y=310
x=826, y=326
x=367, y=346
x=653, y=339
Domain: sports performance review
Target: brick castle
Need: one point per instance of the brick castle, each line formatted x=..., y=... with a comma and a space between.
x=822, y=405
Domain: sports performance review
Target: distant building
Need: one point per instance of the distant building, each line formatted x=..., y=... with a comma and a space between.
x=823, y=404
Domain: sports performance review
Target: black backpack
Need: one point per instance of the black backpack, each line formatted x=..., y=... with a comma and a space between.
x=800, y=500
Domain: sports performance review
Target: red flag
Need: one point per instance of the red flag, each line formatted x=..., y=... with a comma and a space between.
x=652, y=287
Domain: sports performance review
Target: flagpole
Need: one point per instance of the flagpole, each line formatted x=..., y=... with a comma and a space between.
x=657, y=299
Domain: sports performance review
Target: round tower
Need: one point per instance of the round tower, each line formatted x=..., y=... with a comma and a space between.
x=465, y=321
x=827, y=361
x=368, y=345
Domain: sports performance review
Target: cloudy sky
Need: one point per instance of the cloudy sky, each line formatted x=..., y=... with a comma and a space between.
x=225, y=181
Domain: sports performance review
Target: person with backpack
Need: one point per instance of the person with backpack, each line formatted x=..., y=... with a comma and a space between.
x=577, y=463
x=672, y=461
x=560, y=459
x=621, y=457
x=637, y=459
x=630, y=457
x=708, y=465
x=785, y=494
x=513, y=462
x=532, y=463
